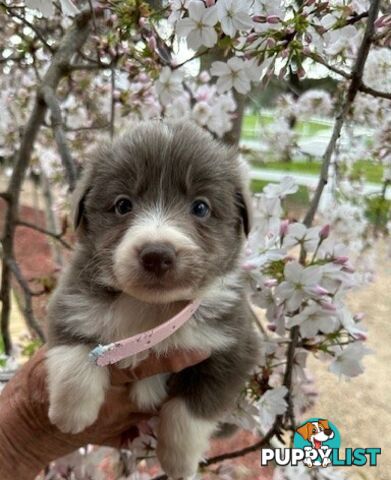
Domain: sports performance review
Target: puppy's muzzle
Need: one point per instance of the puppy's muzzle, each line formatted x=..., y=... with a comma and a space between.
x=157, y=258
x=328, y=431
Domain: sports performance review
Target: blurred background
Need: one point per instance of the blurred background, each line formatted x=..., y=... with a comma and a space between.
x=130, y=68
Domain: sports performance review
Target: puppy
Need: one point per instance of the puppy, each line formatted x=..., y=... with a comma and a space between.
x=161, y=216
x=316, y=433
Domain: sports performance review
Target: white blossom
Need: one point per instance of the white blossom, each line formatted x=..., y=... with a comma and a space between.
x=348, y=361
x=45, y=7
x=233, y=16
x=313, y=319
x=349, y=324
x=169, y=85
x=177, y=6
x=314, y=102
x=198, y=27
x=245, y=415
x=299, y=284
x=232, y=74
x=201, y=113
x=299, y=234
x=287, y=186
x=377, y=71
x=271, y=404
x=179, y=107
x=267, y=213
x=341, y=39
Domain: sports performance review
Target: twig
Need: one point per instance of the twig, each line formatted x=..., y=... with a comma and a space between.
x=362, y=87
x=112, y=111
x=354, y=87
x=375, y=93
x=91, y=127
x=59, y=135
x=35, y=29
x=28, y=305
x=56, y=236
x=87, y=66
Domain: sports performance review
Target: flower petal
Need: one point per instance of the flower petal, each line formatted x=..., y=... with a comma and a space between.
x=196, y=10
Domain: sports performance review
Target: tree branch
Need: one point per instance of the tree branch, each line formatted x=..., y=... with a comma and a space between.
x=56, y=236
x=59, y=135
x=362, y=87
x=28, y=304
x=354, y=87
x=375, y=93
x=28, y=24
x=72, y=42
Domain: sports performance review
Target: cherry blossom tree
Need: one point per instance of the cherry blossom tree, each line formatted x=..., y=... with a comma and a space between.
x=72, y=70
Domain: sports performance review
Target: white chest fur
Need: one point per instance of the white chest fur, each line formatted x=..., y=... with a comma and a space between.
x=126, y=316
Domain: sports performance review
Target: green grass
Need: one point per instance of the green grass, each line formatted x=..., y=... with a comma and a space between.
x=371, y=171
x=253, y=123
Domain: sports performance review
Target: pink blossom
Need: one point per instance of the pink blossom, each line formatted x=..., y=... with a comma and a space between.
x=325, y=232
x=259, y=19
x=318, y=290
x=273, y=19
x=152, y=43
x=341, y=260
x=284, y=228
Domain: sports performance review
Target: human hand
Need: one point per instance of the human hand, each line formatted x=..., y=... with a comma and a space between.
x=28, y=441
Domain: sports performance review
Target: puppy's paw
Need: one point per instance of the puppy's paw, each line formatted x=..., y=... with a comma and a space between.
x=76, y=388
x=73, y=418
x=149, y=393
x=179, y=464
x=182, y=439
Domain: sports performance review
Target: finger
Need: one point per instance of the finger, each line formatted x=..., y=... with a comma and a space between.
x=175, y=361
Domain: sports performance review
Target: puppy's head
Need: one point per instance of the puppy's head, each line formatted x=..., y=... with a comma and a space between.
x=163, y=211
x=319, y=431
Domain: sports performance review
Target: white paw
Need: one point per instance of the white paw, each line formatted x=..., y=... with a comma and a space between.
x=176, y=462
x=307, y=462
x=182, y=439
x=76, y=388
x=149, y=393
x=71, y=418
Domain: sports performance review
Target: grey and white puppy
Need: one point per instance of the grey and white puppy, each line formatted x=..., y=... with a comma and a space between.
x=161, y=215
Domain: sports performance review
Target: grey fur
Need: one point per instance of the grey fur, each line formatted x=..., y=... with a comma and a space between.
x=169, y=164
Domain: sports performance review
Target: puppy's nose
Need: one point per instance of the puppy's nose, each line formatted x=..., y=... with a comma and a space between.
x=328, y=431
x=157, y=258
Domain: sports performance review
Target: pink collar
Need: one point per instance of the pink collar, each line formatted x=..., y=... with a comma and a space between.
x=114, y=352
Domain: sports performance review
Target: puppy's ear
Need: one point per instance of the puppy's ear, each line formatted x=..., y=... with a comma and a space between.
x=79, y=196
x=304, y=431
x=243, y=211
x=324, y=423
x=243, y=197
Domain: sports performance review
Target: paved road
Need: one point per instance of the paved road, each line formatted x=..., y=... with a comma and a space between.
x=306, y=179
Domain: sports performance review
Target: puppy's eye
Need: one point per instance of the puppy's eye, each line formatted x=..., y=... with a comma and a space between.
x=123, y=206
x=200, y=208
